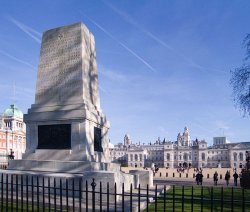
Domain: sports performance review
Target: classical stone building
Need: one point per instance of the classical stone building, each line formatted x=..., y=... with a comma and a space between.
x=12, y=133
x=183, y=152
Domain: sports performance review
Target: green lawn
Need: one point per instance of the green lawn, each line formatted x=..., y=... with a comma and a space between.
x=219, y=201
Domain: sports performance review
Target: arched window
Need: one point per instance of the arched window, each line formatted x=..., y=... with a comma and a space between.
x=131, y=157
x=241, y=156
x=140, y=157
x=136, y=157
x=185, y=157
x=168, y=156
x=235, y=156
x=203, y=157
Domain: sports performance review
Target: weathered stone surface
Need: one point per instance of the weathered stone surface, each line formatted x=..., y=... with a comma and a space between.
x=67, y=70
x=67, y=95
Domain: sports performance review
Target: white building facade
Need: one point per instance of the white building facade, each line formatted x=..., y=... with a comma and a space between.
x=181, y=153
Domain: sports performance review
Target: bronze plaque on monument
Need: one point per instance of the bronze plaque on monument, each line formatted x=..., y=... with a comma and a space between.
x=57, y=136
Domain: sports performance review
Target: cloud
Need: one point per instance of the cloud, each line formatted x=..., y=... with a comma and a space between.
x=32, y=33
x=17, y=59
x=121, y=44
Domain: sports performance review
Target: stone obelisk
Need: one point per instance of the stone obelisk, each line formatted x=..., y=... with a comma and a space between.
x=66, y=122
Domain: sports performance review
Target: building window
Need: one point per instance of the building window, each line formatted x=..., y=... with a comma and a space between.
x=168, y=156
x=203, y=156
x=241, y=156
x=136, y=157
x=235, y=156
x=131, y=157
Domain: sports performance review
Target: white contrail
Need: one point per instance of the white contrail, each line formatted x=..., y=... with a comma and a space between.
x=17, y=59
x=28, y=30
x=128, y=19
x=131, y=21
x=122, y=44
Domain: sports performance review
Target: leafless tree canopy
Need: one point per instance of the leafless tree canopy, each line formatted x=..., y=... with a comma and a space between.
x=240, y=81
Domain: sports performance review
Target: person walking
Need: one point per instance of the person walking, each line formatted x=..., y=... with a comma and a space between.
x=227, y=177
x=197, y=177
x=200, y=178
x=235, y=178
x=215, y=178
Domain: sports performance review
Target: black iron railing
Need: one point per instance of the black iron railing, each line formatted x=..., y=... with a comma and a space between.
x=43, y=193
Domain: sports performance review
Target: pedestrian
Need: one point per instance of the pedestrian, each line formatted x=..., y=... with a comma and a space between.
x=227, y=177
x=200, y=178
x=197, y=177
x=215, y=178
x=235, y=178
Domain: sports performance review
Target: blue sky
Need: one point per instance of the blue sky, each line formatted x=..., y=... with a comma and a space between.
x=162, y=65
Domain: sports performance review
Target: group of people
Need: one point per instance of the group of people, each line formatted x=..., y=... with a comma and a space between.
x=227, y=178
x=199, y=178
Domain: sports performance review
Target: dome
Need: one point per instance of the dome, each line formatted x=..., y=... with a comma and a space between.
x=13, y=110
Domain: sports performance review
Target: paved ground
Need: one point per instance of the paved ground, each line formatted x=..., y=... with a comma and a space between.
x=190, y=182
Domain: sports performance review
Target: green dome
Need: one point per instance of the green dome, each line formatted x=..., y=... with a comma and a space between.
x=13, y=111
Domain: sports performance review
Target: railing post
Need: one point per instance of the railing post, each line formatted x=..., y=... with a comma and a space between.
x=7, y=190
x=182, y=199
x=49, y=193
x=32, y=192
x=115, y=198
x=37, y=192
x=131, y=197
x=87, y=196
x=202, y=199
x=221, y=207
x=243, y=200
x=156, y=197
x=73, y=193
x=107, y=196
x=27, y=193
x=147, y=198
x=232, y=199
x=54, y=193
x=11, y=191
x=43, y=195
x=212, y=199
x=67, y=194
x=192, y=199
x=80, y=194
x=21, y=192
x=173, y=198
x=17, y=193
x=93, y=185
x=164, y=201
x=100, y=196
x=139, y=199
x=122, y=196
x=61, y=194
x=2, y=189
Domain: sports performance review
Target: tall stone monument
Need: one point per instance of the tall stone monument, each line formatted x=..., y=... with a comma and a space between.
x=66, y=122
x=66, y=129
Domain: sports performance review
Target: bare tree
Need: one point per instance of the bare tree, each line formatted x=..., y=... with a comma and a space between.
x=240, y=81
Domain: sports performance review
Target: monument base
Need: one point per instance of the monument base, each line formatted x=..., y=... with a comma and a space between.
x=101, y=172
